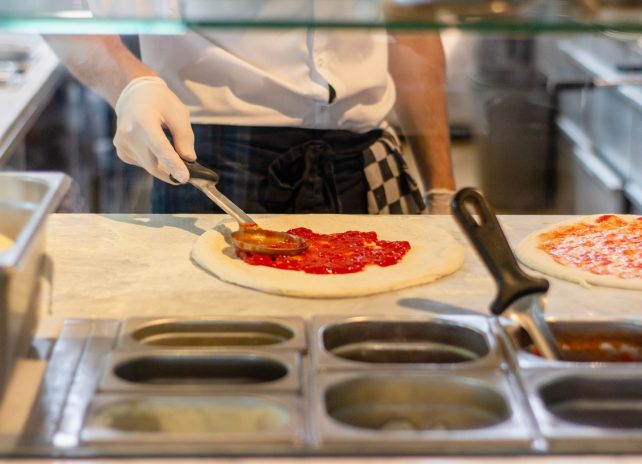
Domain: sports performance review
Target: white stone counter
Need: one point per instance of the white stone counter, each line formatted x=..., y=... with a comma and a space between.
x=122, y=265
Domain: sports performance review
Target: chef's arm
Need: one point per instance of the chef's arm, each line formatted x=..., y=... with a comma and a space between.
x=417, y=65
x=144, y=104
x=101, y=62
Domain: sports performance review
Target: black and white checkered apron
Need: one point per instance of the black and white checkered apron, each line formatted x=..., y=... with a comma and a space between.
x=293, y=170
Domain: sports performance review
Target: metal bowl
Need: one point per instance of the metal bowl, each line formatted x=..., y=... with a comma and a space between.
x=585, y=341
x=219, y=332
x=191, y=419
x=368, y=342
x=25, y=201
x=416, y=403
x=587, y=408
x=599, y=402
x=183, y=371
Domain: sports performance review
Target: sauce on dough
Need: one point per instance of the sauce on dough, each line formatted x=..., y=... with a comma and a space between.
x=609, y=246
x=338, y=253
x=5, y=243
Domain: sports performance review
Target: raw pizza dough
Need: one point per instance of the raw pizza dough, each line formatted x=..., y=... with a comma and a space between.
x=434, y=253
x=531, y=255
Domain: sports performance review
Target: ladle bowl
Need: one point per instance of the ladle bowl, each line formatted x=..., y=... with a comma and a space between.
x=249, y=237
x=253, y=239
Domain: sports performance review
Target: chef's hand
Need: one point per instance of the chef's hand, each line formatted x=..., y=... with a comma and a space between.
x=438, y=201
x=145, y=107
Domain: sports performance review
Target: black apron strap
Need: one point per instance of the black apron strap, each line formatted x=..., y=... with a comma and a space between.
x=276, y=170
x=293, y=170
x=302, y=179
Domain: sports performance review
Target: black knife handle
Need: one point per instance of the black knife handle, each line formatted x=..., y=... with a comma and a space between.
x=489, y=241
x=198, y=171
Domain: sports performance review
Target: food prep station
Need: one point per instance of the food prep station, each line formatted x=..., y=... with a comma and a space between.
x=334, y=385
x=146, y=354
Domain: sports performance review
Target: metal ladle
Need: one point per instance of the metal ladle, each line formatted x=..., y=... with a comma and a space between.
x=250, y=237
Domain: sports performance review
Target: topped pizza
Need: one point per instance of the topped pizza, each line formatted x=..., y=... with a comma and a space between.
x=601, y=250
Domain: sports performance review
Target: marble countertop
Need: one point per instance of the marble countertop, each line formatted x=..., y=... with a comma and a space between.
x=114, y=266
x=121, y=265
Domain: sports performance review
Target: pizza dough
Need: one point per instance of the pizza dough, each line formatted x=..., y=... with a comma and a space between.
x=531, y=255
x=5, y=243
x=434, y=253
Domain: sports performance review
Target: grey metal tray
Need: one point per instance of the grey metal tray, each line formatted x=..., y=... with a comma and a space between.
x=25, y=201
x=426, y=385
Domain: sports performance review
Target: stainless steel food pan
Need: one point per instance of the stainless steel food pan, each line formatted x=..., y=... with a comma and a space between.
x=363, y=342
x=587, y=410
x=274, y=333
x=596, y=341
x=434, y=412
x=219, y=421
x=193, y=371
x=25, y=201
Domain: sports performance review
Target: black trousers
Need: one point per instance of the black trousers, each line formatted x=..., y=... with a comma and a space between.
x=275, y=170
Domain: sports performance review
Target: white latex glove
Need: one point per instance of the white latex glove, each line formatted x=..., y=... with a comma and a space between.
x=438, y=201
x=144, y=108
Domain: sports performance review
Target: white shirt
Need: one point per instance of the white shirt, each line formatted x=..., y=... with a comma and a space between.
x=277, y=77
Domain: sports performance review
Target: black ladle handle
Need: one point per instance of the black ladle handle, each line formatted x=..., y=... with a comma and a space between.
x=198, y=171
x=490, y=242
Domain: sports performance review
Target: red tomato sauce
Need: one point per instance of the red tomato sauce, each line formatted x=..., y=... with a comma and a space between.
x=609, y=246
x=598, y=348
x=339, y=253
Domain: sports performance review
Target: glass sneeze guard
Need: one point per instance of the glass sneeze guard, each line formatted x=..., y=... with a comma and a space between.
x=173, y=17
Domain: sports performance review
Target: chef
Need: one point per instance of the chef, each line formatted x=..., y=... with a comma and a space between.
x=293, y=120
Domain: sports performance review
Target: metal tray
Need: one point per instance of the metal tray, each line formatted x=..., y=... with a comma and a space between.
x=497, y=404
x=188, y=371
x=274, y=333
x=471, y=412
x=25, y=201
x=604, y=341
x=211, y=421
x=361, y=342
x=587, y=410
